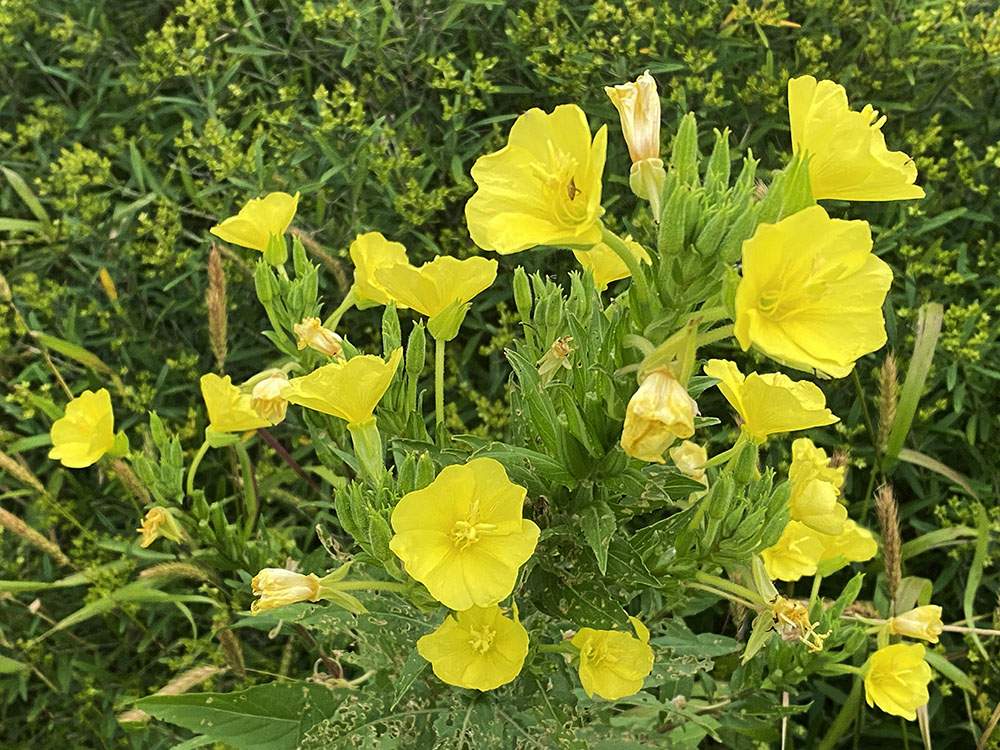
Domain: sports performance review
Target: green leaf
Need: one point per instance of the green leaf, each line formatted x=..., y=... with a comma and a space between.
x=763, y=629
x=81, y=355
x=920, y=459
x=598, y=523
x=12, y=666
x=20, y=225
x=413, y=667
x=30, y=200
x=950, y=671
x=976, y=573
x=938, y=538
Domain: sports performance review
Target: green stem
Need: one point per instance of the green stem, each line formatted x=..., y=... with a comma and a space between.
x=728, y=585
x=844, y=719
x=721, y=594
x=616, y=243
x=249, y=491
x=194, y=466
x=334, y=319
x=439, y=381
x=558, y=648
x=369, y=585
x=716, y=334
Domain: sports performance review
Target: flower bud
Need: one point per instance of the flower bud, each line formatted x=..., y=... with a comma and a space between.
x=657, y=414
x=277, y=587
x=312, y=334
x=638, y=106
x=159, y=522
x=266, y=398
x=922, y=622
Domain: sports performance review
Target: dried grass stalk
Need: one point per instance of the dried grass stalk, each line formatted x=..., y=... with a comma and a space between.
x=16, y=526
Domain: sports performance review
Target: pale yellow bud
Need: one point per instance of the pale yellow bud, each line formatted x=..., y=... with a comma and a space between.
x=312, y=334
x=922, y=622
x=638, y=106
x=159, y=522
x=658, y=413
x=690, y=458
x=266, y=398
x=277, y=587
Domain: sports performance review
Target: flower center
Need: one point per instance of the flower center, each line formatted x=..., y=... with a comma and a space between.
x=595, y=654
x=557, y=175
x=467, y=532
x=482, y=639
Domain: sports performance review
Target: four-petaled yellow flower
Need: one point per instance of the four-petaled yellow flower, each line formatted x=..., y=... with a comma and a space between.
x=613, y=664
x=311, y=333
x=85, y=432
x=477, y=648
x=815, y=488
x=896, y=679
x=848, y=158
x=921, y=622
x=606, y=266
x=350, y=390
x=229, y=408
x=658, y=413
x=638, y=106
x=812, y=292
x=258, y=221
x=159, y=522
x=277, y=587
x=543, y=187
x=463, y=535
x=371, y=252
x=770, y=403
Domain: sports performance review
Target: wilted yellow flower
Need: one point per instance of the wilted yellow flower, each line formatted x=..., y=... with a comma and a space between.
x=791, y=620
x=770, y=403
x=371, y=252
x=613, y=664
x=606, y=266
x=258, y=221
x=848, y=158
x=463, y=535
x=277, y=587
x=658, y=413
x=266, y=398
x=478, y=648
x=556, y=357
x=638, y=106
x=543, y=187
x=921, y=622
x=229, y=408
x=812, y=292
x=85, y=432
x=896, y=679
x=159, y=522
x=311, y=333
x=690, y=458
x=795, y=554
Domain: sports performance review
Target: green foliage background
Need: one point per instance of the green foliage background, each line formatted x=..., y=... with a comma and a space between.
x=138, y=125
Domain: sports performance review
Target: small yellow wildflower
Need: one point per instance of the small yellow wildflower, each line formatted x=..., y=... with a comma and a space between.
x=371, y=252
x=854, y=544
x=258, y=221
x=896, y=679
x=311, y=333
x=921, y=622
x=815, y=489
x=613, y=664
x=229, y=408
x=277, y=587
x=658, y=413
x=791, y=621
x=85, y=432
x=159, y=522
x=606, y=266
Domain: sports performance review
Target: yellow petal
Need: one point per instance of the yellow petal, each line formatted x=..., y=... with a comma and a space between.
x=229, y=409
x=258, y=220
x=371, y=252
x=349, y=390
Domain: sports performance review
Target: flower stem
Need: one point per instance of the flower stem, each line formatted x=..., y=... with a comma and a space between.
x=249, y=487
x=334, y=319
x=558, y=648
x=616, y=243
x=363, y=585
x=439, y=381
x=716, y=334
x=194, y=466
x=734, y=588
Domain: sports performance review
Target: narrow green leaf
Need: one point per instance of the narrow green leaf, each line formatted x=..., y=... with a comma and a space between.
x=763, y=629
x=81, y=355
x=12, y=666
x=30, y=200
x=20, y=225
x=413, y=667
x=950, y=671
x=938, y=538
x=976, y=573
x=921, y=459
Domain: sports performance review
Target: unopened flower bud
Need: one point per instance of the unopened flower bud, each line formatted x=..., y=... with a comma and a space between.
x=266, y=398
x=922, y=622
x=658, y=413
x=312, y=334
x=277, y=587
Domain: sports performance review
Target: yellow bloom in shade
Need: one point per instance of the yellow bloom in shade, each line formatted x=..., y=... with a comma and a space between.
x=463, y=535
x=277, y=587
x=606, y=266
x=543, y=187
x=229, y=408
x=159, y=522
x=658, y=413
x=311, y=333
x=896, y=679
x=85, y=432
x=258, y=221
x=613, y=664
x=795, y=554
x=922, y=622
x=638, y=106
x=854, y=544
x=770, y=403
x=369, y=253
x=848, y=158
x=477, y=648
x=266, y=398
x=350, y=390
x=812, y=292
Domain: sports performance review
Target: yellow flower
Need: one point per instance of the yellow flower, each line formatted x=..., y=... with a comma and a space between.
x=690, y=458
x=770, y=403
x=556, y=357
x=229, y=408
x=266, y=398
x=848, y=158
x=854, y=544
x=638, y=106
x=606, y=266
x=543, y=187
x=463, y=536
x=258, y=221
x=896, y=679
x=311, y=333
x=658, y=413
x=921, y=622
x=85, y=432
x=277, y=587
x=613, y=664
x=791, y=620
x=795, y=554
x=814, y=503
x=812, y=292
x=370, y=252
x=350, y=390
x=159, y=522
x=811, y=462
x=440, y=289
x=478, y=648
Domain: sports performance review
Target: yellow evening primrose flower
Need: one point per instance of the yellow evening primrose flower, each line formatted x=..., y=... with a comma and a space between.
x=690, y=458
x=921, y=622
x=658, y=413
x=638, y=106
x=815, y=489
x=770, y=403
x=311, y=333
x=812, y=292
x=606, y=266
x=277, y=587
x=463, y=535
x=613, y=664
x=896, y=679
x=258, y=221
x=795, y=554
x=848, y=158
x=543, y=187
x=477, y=648
x=854, y=544
x=349, y=390
x=229, y=408
x=369, y=253
x=85, y=432
x=159, y=522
